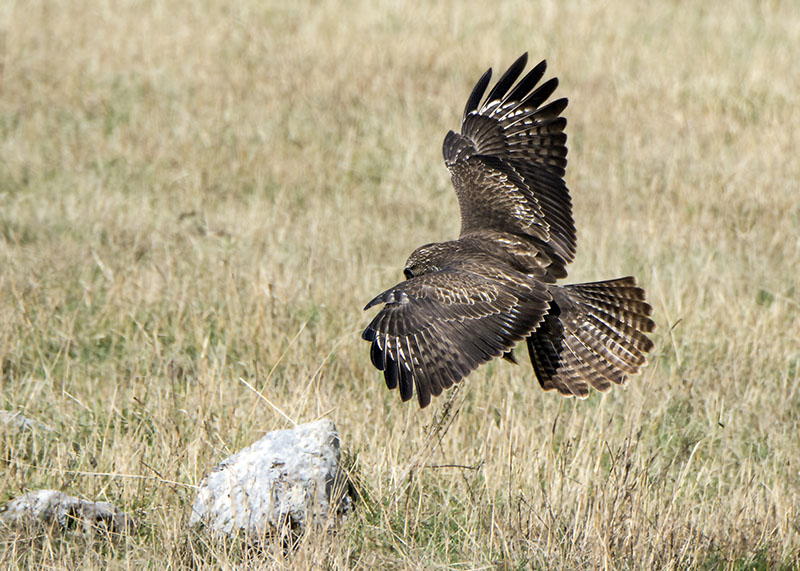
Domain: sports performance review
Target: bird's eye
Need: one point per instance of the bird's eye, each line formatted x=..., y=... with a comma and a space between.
x=408, y=273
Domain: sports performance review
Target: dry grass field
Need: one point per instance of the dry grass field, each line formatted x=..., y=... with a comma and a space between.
x=197, y=194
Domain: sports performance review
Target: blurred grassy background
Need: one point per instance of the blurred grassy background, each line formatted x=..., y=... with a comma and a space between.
x=194, y=193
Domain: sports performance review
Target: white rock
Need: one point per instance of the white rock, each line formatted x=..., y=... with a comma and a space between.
x=54, y=507
x=8, y=417
x=288, y=478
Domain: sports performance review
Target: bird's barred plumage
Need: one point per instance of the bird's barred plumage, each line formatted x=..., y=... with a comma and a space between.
x=592, y=335
x=470, y=300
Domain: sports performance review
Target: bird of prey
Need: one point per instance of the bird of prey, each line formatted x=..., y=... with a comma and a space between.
x=467, y=301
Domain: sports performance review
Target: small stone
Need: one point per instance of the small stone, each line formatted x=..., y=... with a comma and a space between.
x=288, y=480
x=53, y=507
x=8, y=417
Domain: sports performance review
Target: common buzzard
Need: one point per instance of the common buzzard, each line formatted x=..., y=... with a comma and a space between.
x=467, y=301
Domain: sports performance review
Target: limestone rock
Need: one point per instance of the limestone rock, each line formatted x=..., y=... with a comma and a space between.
x=288, y=480
x=52, y=507
x=8, y=417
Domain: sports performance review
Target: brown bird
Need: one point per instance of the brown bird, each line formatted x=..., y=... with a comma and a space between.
x=467, y=301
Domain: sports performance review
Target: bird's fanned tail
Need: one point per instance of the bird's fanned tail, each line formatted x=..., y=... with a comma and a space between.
x=594, y=334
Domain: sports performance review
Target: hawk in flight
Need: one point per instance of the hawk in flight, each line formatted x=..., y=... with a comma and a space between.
x=467, y=301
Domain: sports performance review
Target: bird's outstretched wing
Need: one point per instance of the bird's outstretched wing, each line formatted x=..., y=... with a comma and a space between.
x=507, y=164
x=436, y=328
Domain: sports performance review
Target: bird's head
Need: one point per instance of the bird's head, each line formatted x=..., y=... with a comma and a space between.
x=425, y=259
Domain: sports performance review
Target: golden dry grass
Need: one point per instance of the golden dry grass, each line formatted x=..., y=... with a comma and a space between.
x=197, y=192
